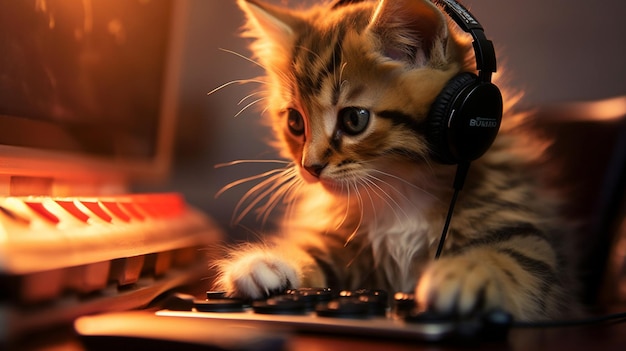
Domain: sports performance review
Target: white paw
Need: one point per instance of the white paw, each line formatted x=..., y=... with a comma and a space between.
x=460, y=286
x=257, y=274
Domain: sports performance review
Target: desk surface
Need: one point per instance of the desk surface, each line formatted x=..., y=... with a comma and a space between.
x=599, y=337
x=606, y=336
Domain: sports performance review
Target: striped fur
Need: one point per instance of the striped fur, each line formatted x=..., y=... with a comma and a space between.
x=350, y=84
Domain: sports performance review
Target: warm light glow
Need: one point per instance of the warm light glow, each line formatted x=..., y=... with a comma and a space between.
x=601, y=110
x=608, y=109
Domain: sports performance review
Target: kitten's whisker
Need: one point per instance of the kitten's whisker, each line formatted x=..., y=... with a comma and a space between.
x=343, y=84
x=264, y=184
x=336, y=78
x=286, y=191
x=351, y=236
x=280, y=192
x=393, y=188
x=270, y=204
x=347, y=211
x=249, y=96
x=361, y=216
x=405, y=182
x=238, y=162
x=236, y=81
x=291, y=196
x=368, y=190
x=243, y=57
x=428, y=163
x=250, y=104
x=239, y=214
x=385, y=197
x=245, y=180
x=343, y=219
x=343, y=67
x=373, y=206
x=402, y=195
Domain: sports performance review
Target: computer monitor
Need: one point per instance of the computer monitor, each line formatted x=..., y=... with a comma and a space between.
x=87, y=92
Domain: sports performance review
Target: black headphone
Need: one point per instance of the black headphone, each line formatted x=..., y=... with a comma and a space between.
x=465, y=117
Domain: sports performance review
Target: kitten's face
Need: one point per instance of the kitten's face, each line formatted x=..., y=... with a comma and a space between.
x=351, y=86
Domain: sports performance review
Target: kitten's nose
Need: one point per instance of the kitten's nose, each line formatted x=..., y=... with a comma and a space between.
x=315, y=169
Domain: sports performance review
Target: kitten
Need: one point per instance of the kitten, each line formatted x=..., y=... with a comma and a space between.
x=349, y=85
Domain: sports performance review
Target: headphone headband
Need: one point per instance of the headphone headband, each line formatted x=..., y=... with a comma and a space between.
x=465, y=117
x=483, y=48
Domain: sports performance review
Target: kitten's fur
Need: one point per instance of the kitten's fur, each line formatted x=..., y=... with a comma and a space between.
x=367, y=202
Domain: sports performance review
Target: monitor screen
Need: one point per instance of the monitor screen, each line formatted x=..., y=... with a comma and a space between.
x=87, y=87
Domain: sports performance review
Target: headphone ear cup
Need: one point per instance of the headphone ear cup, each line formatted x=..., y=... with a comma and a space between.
x=439, y=117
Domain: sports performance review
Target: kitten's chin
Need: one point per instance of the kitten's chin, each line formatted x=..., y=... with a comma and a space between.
x=332, y=187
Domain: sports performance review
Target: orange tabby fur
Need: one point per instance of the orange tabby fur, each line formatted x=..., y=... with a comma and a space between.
x=367, y=204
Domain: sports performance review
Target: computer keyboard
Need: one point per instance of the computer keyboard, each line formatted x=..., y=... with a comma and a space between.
x=354, y=312
x=223, y=323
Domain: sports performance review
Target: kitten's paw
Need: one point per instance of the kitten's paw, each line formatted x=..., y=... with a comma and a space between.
x=461, y=286
x=256, y=275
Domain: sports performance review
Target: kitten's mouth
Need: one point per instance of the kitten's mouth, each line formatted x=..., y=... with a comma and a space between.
x=333, y=186
x=309, y=178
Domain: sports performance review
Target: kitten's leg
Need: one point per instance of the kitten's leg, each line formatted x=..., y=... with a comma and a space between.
x=524, y=283
x=259, y=271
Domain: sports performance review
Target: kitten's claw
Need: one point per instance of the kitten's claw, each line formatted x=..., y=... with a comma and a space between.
x=257, y=275
x=460, y=286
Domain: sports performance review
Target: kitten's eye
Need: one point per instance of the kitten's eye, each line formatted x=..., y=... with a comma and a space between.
x=353, y=120
x=295, y=122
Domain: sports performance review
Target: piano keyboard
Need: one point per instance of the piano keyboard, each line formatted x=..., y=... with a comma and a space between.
x=64, y=257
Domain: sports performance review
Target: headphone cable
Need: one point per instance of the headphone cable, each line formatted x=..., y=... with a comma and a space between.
x=459, y=179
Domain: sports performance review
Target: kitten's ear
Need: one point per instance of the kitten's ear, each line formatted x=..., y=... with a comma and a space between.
x=414, y=31
x=268, y=22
